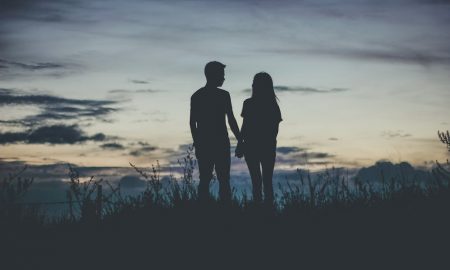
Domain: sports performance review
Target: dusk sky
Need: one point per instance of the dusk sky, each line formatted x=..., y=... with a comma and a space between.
x=105, y=83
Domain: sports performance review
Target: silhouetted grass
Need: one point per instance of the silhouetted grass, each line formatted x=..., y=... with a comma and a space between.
x=321, y=220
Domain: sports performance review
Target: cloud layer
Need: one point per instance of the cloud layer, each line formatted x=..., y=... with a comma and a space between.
x=57, y=134
x=57, y=121
x=304, y=90
x=55, y=108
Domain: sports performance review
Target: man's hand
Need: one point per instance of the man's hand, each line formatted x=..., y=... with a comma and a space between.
x=239, y=152
x=196, y=150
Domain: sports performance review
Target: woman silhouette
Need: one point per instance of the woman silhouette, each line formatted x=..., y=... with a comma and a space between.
x=259, y=131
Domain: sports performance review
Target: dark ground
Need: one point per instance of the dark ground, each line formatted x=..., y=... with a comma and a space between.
x=392, y=236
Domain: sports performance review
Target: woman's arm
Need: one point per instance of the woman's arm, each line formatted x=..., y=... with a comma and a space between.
x=239, y=152
x=275, y=130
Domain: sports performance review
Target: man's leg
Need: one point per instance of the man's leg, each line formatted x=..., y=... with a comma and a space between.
x=205, y=166
x=222, y=163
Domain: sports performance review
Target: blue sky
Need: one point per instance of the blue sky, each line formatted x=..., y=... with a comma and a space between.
x=104, y=83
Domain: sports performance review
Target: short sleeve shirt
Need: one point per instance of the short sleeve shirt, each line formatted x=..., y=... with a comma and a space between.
x=261, y=120
x=209, y=107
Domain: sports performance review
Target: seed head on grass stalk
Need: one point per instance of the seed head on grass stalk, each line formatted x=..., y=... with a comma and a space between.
x=153, y=193
x=83, y=193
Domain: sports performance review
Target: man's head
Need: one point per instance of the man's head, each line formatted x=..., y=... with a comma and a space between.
x=215, y=73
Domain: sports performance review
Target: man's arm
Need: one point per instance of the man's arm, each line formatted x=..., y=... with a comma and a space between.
x=239, y=151
x=244, y=129
x=193, y=123
x=232, y=121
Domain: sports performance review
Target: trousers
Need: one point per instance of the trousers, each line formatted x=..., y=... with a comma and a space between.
x=216, y=157
x=260, y=159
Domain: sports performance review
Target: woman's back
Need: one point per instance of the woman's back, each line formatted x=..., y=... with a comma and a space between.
x=259, y=130
x=262, y=118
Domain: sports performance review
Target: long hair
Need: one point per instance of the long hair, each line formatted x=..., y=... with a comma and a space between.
x=262, y=88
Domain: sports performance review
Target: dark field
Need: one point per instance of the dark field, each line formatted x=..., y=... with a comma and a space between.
x=326, y=222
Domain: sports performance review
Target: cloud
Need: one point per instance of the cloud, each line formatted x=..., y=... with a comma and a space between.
x=312, y=155
x=16, y=61
x=435, y=2
x=54, y=107
x=395, y=56
x=131, y=181
x=143, y=150
x=305, y=90
x=13, y=69
x=139, y=91
x=31, y=66
x=388, y=170
x=388, y=54
x=46, y=11
x=112, y=146
x=47, y=191
x=146, y=91
x=289, y=149
x=139, y=81
x=395, y=134
x=295, y=156
x=14, y=97
x=308, y=89
x=57, y=134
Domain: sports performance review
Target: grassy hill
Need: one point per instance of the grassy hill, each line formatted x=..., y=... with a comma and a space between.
x=324, y=221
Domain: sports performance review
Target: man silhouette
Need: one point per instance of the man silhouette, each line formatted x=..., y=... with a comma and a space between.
x=209, y=107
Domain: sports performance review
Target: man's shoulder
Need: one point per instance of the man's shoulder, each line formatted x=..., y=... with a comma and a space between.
x=223, y=91
x=204, y=91
x=197, y=93
x=248, y=101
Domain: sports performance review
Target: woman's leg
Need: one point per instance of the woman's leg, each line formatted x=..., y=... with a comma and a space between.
x=268, y=164
x=254, y=168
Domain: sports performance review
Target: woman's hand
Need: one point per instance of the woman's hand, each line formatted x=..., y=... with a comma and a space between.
x=239, y=152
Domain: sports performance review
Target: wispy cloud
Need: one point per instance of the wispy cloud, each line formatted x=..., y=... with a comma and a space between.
x=112, y=146
x=434, y=2
x=295, y=156
x=31, y=66
x=138, y=91
x=41, y=11
x=289, y=149
x=139, y=81
x=311, y=90
x=144, y=150
x=388, y=54
x=388, y=170
x=14, y=69
x=393, y=55
x=304, y=90
x=54, y=107
x=395, y=134
x=57, y=134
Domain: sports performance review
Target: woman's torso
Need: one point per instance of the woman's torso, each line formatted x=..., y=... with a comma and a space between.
x=261, y=119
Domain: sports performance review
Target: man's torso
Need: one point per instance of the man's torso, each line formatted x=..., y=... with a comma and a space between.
x=210, y=106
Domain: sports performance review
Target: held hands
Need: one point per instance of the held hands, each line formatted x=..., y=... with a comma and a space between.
x=239, y=152
x=196, y=150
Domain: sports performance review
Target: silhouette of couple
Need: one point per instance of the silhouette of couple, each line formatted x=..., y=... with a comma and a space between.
x=257, y=142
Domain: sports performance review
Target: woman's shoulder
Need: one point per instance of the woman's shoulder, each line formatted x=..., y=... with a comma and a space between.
x=246, y=107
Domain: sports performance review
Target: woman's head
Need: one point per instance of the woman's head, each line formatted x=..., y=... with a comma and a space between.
x=262, y=87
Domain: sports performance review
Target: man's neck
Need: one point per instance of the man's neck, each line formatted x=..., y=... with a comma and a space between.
x=208, y=85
